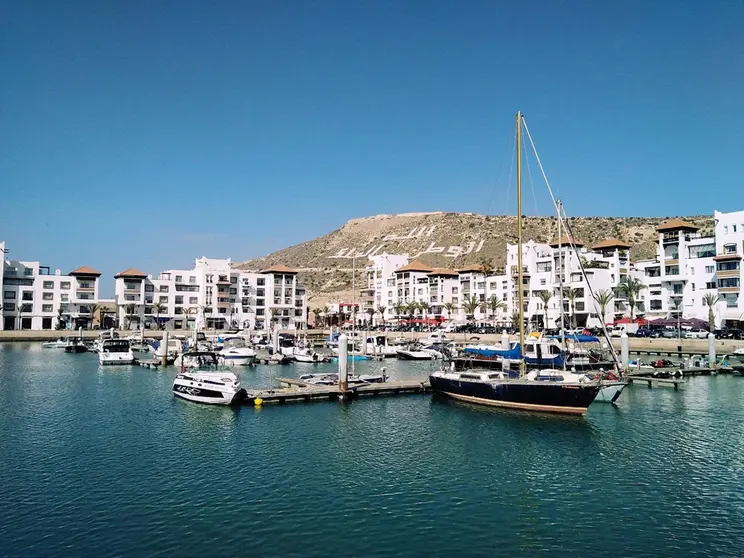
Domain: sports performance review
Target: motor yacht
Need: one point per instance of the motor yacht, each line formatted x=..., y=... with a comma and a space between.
x=203, y=380
x=235, y=351
x=310, y=356
x=115, y=351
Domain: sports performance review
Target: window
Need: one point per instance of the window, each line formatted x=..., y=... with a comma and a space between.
x=709, y=269
x=28, y=272
x=728, y=283
x=179, y=278
x=493, y=285
x=542, y=281
x=209, y=279
x=8, y=306
x=725, y=229
x=163, y=299
x=179, y=300
x=48, y=284
x=724, y=266
x=192, y=280
x=27, y=295
x=732, y=301
x=733, y=227
x=47, y=296
x=729, y=248
x=455, y=300
x=65, y=285
x=259, y=311
x=163, y=288
x=261, y=281
x=46, y=308
x=65, y=298
x=222, y=310
x=149, y=288
x=10, y=295
x=193, y=300
x=655, y=305
x=260, y=302
x=702, y=251
x=27, y=308
x=544, y=266
x=454, y=291
x=710, y=285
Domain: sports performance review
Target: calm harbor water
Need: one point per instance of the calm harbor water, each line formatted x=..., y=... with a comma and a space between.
x=106, y=462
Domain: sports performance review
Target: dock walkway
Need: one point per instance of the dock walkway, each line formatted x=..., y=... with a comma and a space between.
x=302, y=391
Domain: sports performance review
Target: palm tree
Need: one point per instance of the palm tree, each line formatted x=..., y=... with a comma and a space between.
x=411, y=308
x=399, y=308
x=158, y=307
x=545, y=297
x=60, y=319
x=317, y=312
x=274, y=313
x=710, y=300
x=93, y=308
x=381, y=311
x=130, y=308
x=631, y=288
x=470, y=304
x=20, y=318
x=371, y=313
x=450, y=307
x=603, y=299
x=186, y=313
x=516, y=318
x=326, y=315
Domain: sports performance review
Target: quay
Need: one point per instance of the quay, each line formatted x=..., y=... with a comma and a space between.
x=299, y=391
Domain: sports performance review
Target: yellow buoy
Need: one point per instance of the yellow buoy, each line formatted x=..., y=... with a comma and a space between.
x=258, y=401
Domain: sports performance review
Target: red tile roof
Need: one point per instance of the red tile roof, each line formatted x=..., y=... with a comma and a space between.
x=676, y=225
x=131, y=272
x=415, y=265
x=85, y=270
x=611, y=243
x=279, y=268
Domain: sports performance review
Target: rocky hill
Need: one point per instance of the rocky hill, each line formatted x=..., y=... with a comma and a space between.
x=444, y=240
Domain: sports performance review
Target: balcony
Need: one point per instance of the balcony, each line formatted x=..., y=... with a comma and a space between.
x=725, y=290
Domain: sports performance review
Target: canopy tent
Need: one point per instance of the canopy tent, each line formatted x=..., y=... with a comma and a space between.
x=626, y=320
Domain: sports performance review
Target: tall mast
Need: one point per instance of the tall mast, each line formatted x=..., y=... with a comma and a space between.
x=559, y=204
x=520, y=296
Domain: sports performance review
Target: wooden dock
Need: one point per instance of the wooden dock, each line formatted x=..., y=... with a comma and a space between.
x=651, y=381
x=299, y=391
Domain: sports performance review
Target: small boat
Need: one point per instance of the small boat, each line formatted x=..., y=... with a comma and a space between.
x=60, y=343
x=116, y=351
x=75, y=345
x=235, y=351
x=203, y=380
x=310, y=356
x=610, y=391
x=172, y=351
x=417, y=353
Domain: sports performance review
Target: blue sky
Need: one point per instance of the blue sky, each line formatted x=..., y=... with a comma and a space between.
x=149, y=133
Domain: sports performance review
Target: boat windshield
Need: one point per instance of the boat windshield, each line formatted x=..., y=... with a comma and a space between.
x=116, y=346
x=234, y=343
x=200, y=360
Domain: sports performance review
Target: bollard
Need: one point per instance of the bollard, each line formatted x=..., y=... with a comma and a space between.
x=343, y=356
x=164, y=348
x=712, y=351
x=81, y=333
x=504, y=340
x=624, y=352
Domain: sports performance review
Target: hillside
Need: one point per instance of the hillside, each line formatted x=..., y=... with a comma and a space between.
x=442, y=239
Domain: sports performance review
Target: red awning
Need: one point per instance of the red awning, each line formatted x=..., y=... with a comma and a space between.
x=639, y=321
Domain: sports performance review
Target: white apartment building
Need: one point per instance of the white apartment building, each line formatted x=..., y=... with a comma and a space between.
x=212, y=295
x=36, y=299
x=729, y=250
x=380, y=282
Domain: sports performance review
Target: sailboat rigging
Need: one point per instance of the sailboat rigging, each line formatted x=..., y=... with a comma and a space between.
x=551, y=390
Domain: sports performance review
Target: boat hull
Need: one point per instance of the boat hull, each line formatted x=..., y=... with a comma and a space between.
x=415, y=355
x=209, y=397
x=106, y=359
x=545, y=397
x=609, y=393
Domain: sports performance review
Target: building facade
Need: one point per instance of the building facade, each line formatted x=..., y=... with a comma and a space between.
x=35, y=298
x=212, y=295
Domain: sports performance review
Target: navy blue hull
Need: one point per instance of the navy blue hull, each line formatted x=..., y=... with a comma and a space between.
x=535, y=396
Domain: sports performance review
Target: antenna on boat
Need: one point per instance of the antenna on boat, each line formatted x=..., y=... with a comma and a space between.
x=520, y=296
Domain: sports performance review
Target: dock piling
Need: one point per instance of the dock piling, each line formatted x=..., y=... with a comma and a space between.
x=624, y=351
x=164, y=346
x=343, y=357
x=712, y=351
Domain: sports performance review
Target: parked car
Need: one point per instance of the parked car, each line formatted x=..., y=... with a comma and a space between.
x=729, y=333
x=696, y=334
x=643, y=332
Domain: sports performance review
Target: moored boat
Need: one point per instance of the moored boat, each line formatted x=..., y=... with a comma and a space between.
x=203, y=380
x=115, y=351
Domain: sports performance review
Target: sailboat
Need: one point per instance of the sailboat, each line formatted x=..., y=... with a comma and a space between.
x=550, y=391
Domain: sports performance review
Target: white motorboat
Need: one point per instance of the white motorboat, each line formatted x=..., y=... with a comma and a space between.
x=235, y=351
x=417, y=353
x=739, y=351
x=60, y=343
x=203, y=380
x=310, y=356
x=378, y=345
x=103, y=336
x=115, y=351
